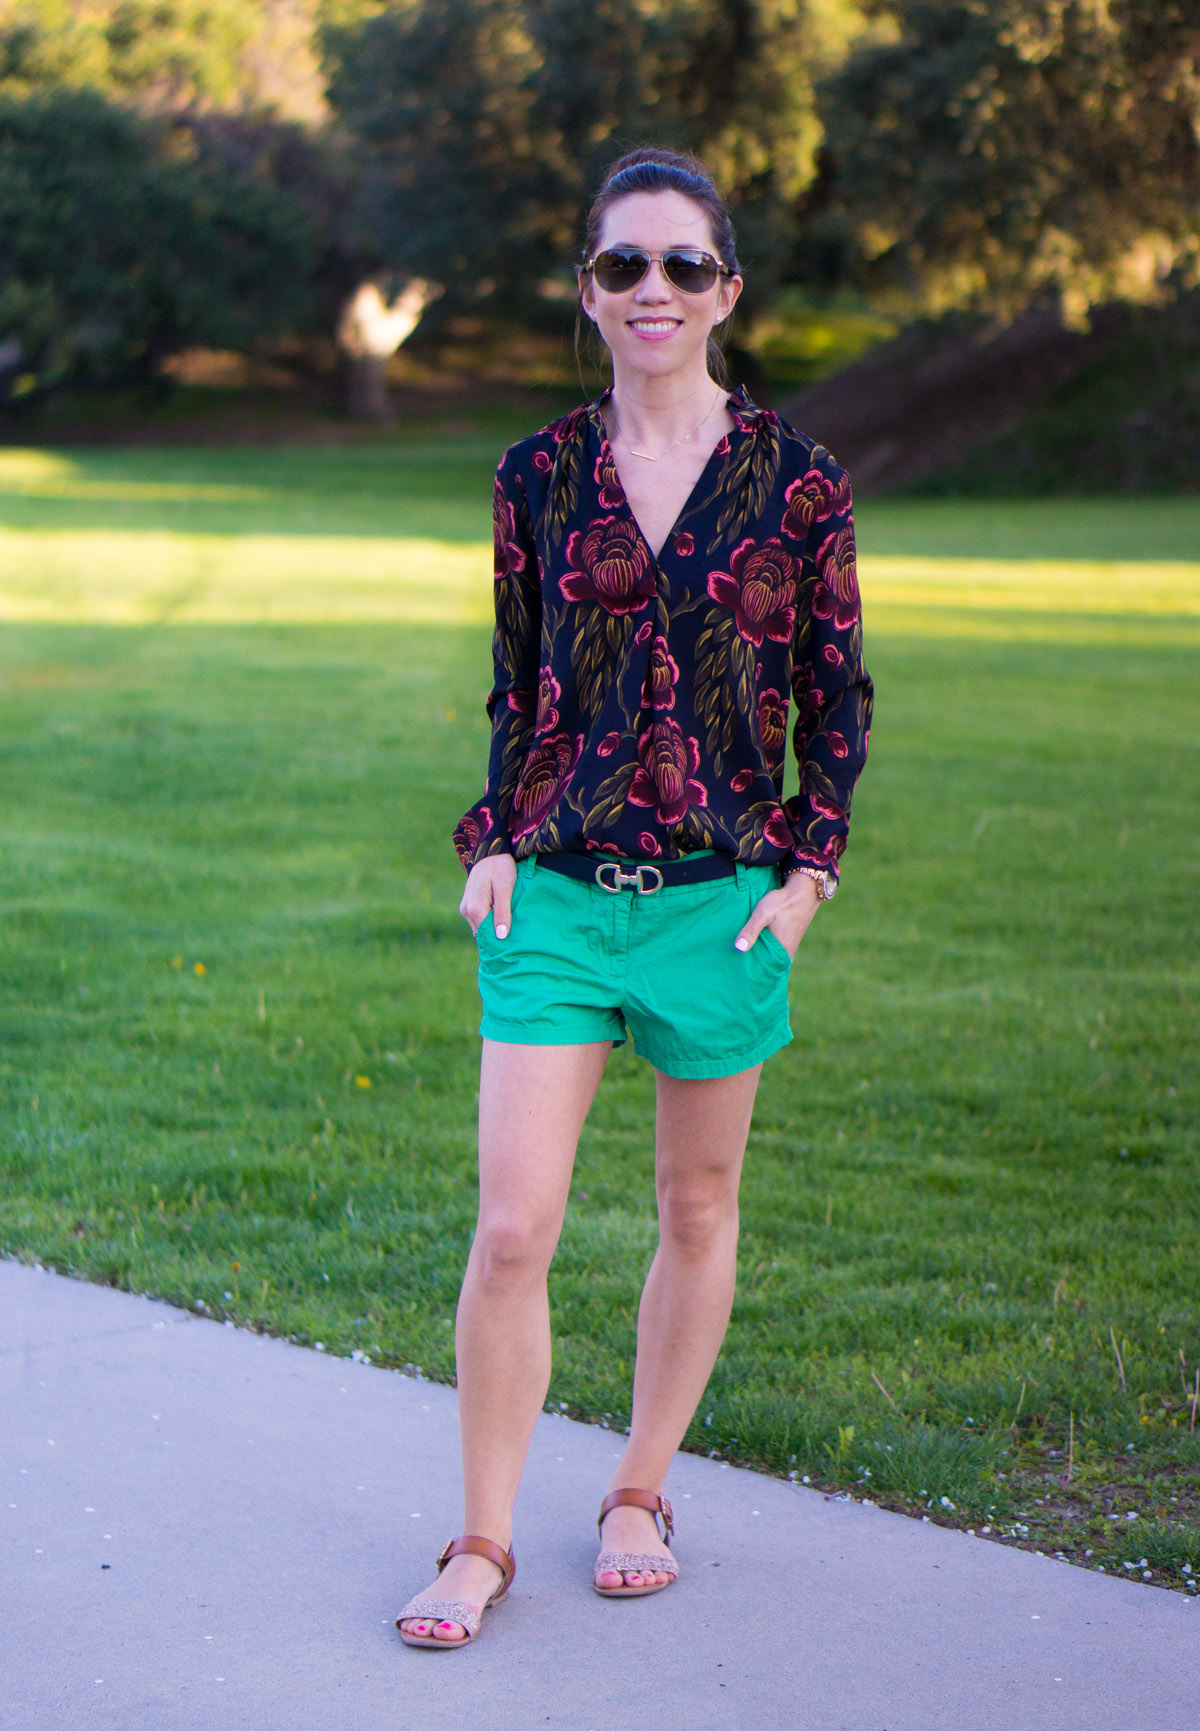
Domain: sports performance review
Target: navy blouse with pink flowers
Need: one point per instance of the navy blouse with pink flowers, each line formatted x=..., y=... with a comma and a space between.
x=640, y=705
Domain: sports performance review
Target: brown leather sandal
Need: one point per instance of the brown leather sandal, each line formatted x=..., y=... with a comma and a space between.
x=636, y=1562
x=454, y=1610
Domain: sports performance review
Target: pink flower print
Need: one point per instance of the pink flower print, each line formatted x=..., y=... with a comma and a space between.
x=510, y=555
x=760, y=586
x=520, y=702
x=608, y=745
x=833, y=655
x=662, y=677
x=837, y=744
x=742, y=780
x=611, y=492
x=776, y=830
x=563, y=430
x=664, y=779
x=541, y=462
x=827, y=807
x=470, y=832
x=549, y=692
x=772, y=723
x=644, y=633
x=723, y=446
x=812, y=500
x=836, y=594
x=684, y=545
x=545, y=774
x=649, y=844
x=610, y=566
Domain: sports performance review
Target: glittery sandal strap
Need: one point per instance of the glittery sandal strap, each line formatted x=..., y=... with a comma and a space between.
x=635, y=1563
x=442, y=1611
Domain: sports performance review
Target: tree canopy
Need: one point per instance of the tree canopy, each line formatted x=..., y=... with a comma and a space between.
x=484, y=124
x=114, y=255
x=995, y=152
x=946, y=153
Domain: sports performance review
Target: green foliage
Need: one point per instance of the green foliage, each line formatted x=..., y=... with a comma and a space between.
x=797, y=341
x=994, y=153
x=976, y=1160
x=170, y=55
x=483, y=125
x=114, y=253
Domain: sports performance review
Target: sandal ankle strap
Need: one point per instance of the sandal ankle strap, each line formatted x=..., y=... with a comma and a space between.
x=472, y=1545
x=651, y=1501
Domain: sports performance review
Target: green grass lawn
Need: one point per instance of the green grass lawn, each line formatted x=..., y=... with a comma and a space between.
x=242, y=709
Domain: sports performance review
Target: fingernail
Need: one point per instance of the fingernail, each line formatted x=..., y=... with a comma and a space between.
x=741, y=943
x=501, y=931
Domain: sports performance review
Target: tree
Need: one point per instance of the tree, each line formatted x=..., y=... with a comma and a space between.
x=168, y=56
x=481, y=125
x=1000, y=152
x=114, y=254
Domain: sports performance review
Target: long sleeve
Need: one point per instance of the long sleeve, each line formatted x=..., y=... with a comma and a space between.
x=512, y=705
x=830, y=683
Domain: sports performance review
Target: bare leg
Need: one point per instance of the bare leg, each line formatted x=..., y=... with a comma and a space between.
x=532, y=1104
x=701, y=1139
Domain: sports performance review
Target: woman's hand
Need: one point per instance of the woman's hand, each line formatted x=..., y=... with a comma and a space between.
x=489, y=887
x=787, y=911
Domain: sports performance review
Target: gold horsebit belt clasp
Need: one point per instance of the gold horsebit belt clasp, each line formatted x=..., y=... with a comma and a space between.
x=634, y=878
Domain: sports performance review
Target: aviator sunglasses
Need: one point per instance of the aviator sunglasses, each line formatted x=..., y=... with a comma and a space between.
x=621, y=268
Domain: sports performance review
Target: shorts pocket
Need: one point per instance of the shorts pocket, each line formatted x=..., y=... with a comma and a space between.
x=773, y=944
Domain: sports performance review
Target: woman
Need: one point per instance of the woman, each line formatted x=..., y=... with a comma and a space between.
x=671, y=562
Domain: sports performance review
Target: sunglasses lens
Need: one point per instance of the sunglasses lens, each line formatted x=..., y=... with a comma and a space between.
x=692, y=273
x=617, y=272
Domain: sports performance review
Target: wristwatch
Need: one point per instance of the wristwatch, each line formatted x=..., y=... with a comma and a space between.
x=825, y=881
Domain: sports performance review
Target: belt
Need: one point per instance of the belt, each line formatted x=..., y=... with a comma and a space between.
x=645, y=877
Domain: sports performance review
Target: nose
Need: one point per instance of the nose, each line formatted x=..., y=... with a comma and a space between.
x=654, y=288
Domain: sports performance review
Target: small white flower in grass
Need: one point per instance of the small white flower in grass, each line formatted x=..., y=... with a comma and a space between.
x=1132, y=1515
x=946, y=1503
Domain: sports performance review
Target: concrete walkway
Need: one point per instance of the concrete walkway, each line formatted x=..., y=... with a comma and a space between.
x=207, y=1529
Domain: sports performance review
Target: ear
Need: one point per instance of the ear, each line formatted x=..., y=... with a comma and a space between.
x=587, y=296
x=731, y=288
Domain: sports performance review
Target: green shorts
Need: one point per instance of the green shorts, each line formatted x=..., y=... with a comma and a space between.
x=581, y=963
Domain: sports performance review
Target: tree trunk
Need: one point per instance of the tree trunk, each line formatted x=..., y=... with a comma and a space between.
x=364, y=391
x=370, y=331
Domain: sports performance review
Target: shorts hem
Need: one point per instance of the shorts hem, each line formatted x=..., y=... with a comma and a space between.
x=710, y=1068
x=530, y=1034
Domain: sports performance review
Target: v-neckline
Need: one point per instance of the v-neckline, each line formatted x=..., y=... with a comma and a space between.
x=606, y=447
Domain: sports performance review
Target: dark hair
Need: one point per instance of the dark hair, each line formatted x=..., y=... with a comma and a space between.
x=651, y=170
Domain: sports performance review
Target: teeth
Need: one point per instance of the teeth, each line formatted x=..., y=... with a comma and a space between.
x=653, y=324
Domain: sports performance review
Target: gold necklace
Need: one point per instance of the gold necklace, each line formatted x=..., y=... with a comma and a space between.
x=645, y=455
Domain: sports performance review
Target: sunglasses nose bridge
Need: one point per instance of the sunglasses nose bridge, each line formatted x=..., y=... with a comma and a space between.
x=654, y=283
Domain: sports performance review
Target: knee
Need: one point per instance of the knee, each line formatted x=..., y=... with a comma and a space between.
x=698, y=1216
x=512, y=1246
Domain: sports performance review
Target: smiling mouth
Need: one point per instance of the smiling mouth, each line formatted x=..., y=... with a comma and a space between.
x=655, y=327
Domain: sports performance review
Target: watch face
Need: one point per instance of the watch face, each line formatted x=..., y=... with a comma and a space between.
x=829, y=887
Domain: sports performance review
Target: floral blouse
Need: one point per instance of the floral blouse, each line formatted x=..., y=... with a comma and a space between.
x=640, y=704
